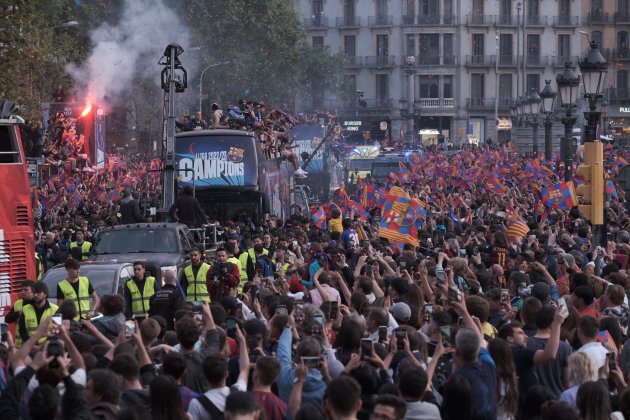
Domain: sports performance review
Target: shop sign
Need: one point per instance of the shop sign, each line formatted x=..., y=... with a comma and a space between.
x=352, y=125
x=383, y=125
x=624, y=110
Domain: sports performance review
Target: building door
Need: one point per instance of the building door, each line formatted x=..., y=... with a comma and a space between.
x=505, y=49
x=505, y=12
x=533, y=49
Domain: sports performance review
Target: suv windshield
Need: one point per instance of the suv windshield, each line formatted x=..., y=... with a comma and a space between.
x=138, y=240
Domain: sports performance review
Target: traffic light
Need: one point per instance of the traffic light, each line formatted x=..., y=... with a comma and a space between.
x=592, y=190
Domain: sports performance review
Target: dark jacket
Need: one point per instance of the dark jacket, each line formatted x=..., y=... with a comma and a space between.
x=165, y=302
x=187, y=210
x=130, y=211
x=73, y=403
x=104, y=411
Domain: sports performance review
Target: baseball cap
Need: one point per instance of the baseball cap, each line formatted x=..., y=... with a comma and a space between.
x=401, y=311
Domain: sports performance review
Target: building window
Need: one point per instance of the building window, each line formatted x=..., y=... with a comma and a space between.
x=477, y=86
x=505, y=49
x=349, y=11
x=317, y=8
x=349, y=45
x=564, y=9
x=429, y=12
x=622, y=7
x=596, y=36
x=477, y=8
x=564, y=47
x=429, y=49
x=505, y=11
x=505, y=88
x=382, y=45
x=382, y=88
x=381, y=8
x=477, y=44
x=533, y=49
x=622, y=44
x=429, y=87
x=533, y=82
x=447, y=86
x=447, y=49
x=318, y=43
x=411, y=45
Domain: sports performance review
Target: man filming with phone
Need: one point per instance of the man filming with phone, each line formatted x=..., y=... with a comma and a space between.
x=223, y=277
x=34, y=312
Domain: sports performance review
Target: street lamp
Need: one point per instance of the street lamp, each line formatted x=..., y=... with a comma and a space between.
x=548, y=97
x=534, y=110
x=568, y=83
x=201, y=79
x=594, y=69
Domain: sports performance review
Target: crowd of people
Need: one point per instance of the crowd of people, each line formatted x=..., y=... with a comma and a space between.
x=499, y=304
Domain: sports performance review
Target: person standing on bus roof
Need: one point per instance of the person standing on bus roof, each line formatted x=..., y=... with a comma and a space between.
x=77, y=289
x=33, y=313
x=26, y=297
x=83, y=247
x=193, y=278
x=129, y=210
x=138, y=292
x=186, y=209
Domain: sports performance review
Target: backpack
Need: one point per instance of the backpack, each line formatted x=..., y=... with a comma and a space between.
x=215, y=413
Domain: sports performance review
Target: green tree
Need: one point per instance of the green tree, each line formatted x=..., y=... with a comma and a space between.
x=34, y=50
x=266, y=46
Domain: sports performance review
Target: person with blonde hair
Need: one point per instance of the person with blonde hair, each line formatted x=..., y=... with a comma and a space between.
x=581, y=370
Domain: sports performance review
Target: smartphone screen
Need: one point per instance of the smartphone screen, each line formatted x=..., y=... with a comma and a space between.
x=446, y=336
x=319, y=319
x=334, y=308
x=130, y=328
x=282, y=310
x=57, y=319
x=382, y=333
x=612, y=364
x=366, y=348
x=400, y=339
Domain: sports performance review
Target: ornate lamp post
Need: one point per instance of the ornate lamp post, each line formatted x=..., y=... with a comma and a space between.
x=594, y=69
x=568, y=83
x=548, y=97
x=534, y=110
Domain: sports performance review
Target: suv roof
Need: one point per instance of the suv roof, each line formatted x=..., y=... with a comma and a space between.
x=160, y=225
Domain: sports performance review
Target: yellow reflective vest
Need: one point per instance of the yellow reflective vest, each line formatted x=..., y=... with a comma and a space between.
x=140, y=300
x=197, y=290
x=31, y=321
x=85, y=249
x=17, y=307
x=82, y=302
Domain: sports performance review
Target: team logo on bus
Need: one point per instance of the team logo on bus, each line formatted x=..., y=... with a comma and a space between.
x=235, y=154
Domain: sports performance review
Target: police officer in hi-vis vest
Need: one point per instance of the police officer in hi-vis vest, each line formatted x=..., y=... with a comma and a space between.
x=193, y=278
x=26, y=297
x=33, y=313
x=78, y=290
x=138, y=291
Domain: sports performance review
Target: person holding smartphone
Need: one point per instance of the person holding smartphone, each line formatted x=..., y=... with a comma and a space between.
x=33, y=313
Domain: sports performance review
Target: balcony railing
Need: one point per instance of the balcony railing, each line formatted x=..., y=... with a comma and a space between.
x=619, y=94
x=508, y=60
x=349, y=22
x=435, y=103
x=536, y=61
x=621, y=54
x=353, y=61
x=428, y=60
x=487, y=103
x=408, y=20
x=536, y=20
x=480, y=60
x=320, y=22
x=558, y=61
x=598, y=18
x=479, y=20
x=378, y=103
x=435, y=19
x=566, y=20
x=622, y=17
x=380, y=21
x=379, y=61
x=506, y=20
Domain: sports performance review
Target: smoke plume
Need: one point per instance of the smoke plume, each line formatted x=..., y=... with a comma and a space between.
x=127, y=50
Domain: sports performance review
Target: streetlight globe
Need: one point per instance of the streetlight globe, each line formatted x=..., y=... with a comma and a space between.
x=548, y=96
x=568, y=83
x=594, y=69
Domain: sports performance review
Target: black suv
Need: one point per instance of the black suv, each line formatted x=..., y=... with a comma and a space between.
x=162, y=245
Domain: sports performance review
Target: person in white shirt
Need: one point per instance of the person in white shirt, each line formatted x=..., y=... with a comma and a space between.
x=215, y=368
x=587, y=329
